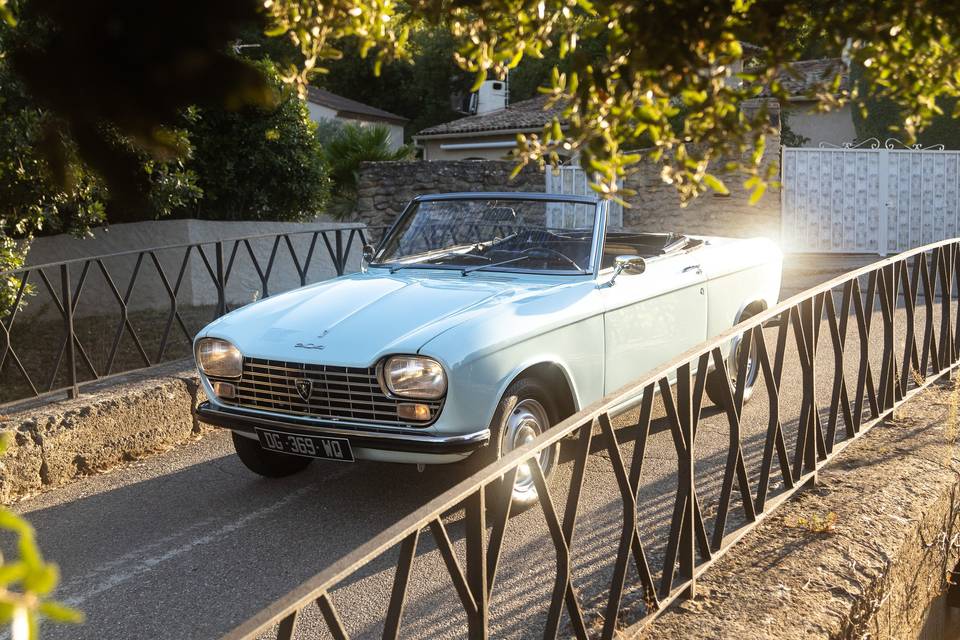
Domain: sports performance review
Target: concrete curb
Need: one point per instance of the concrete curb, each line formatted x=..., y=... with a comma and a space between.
x=877, y=571
x=122, y=420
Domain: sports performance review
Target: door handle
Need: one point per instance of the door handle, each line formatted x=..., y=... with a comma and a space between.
x=691, y=268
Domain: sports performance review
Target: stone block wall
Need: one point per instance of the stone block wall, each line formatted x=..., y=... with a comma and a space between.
x=656, y=207
x=386, y=187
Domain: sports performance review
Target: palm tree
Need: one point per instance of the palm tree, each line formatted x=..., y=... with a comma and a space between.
x=344, y=148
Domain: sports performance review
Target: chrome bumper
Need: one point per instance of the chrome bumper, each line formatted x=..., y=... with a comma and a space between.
x=417, y=442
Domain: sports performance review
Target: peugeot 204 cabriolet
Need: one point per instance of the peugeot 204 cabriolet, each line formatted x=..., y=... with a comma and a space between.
x=479, y=321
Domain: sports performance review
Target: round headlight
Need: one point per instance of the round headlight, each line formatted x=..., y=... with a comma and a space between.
x=414, y=377
x=219, y=359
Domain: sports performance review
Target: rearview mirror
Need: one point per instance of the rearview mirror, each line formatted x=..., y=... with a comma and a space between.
x=368, y=252
x=629, y=265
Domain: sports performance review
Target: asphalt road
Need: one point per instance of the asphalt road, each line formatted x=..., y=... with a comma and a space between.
x=187, y=544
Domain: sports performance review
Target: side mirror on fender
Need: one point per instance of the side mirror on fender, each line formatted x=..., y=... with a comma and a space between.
x=628, y=265
x=367, y=256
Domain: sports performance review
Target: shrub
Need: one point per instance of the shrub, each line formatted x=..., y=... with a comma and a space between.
x=257, y=163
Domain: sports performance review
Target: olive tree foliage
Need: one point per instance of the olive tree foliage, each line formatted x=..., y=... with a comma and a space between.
x=27, y=580
x=668, y=86
x=661, y=59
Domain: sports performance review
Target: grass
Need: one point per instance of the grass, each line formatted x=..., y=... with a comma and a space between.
x=816, y=523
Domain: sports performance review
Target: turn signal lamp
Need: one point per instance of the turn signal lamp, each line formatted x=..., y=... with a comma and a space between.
x=224, y=390
x=410, y=411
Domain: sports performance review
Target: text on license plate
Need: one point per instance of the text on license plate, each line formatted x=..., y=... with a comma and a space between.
x=304, y=445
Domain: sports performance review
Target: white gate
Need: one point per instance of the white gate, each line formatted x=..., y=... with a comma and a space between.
x=572, y=180
x=869, y=198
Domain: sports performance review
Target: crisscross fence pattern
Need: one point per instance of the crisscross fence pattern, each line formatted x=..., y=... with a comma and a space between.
x=291, y=257
x=913, y=297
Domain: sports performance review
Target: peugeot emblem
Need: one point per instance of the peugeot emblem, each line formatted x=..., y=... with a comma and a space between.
x=304, y=388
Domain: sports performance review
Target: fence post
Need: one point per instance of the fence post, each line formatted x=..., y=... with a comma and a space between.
x=478, y=624
x=888, y=304
x=73, y=391
x=806, y=457
x=221, y=280
x=340, y=259
x=685, y=468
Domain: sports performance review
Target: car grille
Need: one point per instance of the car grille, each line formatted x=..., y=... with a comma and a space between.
x=339, y=393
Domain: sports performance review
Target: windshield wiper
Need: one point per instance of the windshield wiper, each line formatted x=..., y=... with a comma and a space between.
x=449, y=254
x=532, y=252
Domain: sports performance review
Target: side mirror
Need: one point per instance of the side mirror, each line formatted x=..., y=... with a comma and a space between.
x=629, y=265
x=367, y=254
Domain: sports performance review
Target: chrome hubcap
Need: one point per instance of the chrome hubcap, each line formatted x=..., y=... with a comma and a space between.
x=753, y=368
x=527, y=421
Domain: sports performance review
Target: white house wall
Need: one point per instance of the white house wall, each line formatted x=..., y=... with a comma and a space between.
x=197, y=287
x=318, y=112
x=432, y=149
x=834, y=127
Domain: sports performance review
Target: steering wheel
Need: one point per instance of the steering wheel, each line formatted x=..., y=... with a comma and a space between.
x=553, y=252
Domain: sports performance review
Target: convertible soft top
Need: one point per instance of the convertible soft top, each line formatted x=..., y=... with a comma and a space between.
x=645, y=245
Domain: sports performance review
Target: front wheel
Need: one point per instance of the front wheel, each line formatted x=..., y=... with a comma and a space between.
x=525, y=411
x=267, y=463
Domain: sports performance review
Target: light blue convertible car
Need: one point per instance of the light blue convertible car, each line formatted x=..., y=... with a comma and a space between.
x=479, y=321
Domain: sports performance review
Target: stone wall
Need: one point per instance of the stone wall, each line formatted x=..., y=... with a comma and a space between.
x=114, y=421
x=386, y=187
x=656, y=207
x=878, y=570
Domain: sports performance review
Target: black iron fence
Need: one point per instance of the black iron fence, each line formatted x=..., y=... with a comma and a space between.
x=874, y=367
x=42, y=350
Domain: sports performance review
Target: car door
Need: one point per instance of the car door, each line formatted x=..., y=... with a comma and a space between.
x=652, y=317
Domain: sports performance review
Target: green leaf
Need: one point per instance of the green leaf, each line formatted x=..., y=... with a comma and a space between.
x=693, y=97
x=716, y=184
x=479, y=80
x=60, y=612
x=12, y=522
x=43, y=580
x=758, y=192
x=6, y=14
x=12, y=572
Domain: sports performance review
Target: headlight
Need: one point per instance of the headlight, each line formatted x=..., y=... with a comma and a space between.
x=219, y=359
x=414, y=377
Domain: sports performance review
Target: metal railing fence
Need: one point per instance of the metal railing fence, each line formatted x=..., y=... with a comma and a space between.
x=63, y=286
x=919, y=285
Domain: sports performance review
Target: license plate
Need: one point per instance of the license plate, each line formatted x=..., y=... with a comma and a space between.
x=307, y=446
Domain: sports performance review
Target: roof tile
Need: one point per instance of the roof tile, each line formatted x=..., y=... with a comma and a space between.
x=347, y=107
x=524, y=115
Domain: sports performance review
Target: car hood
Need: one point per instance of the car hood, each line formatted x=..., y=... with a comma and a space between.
x=354, y=320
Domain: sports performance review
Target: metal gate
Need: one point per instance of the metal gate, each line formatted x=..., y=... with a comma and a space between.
x=868, y=198
x=572, y=180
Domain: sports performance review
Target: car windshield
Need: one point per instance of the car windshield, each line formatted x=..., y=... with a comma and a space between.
x=553, y=236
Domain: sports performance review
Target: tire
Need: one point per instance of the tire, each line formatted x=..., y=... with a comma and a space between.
x=267, y=463
x=717, y=379
x=520, y=416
